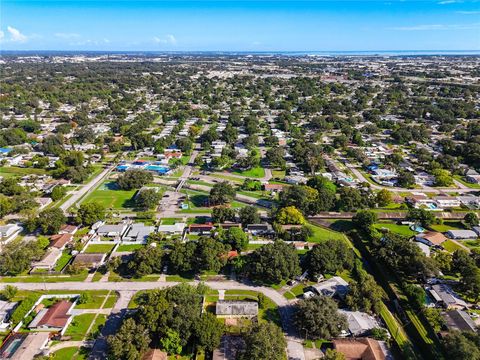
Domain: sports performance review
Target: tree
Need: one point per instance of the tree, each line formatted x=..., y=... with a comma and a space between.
x=171, y=342
x=422, y=216
x=249, y=215
x=221, y=214
x=276, y=157
x=208, y=331
x=236, y=238
x=84, y=298
x=405, y=179
x=51, y=220
x=442, y=177
x=404, y=257
x=290, y=215
x=147, y=198
x=416, y=294
x=9, y=292
x=364, y=293
x=134, y=179
x=272, y=263
x=304, y=198
x=318, y=318
x=332, y=354
x=206, y=254
x=383, y=198
x=328, y=257
x=89, y=213
x=350, y=199
x=129, y=342
x=379, y=334
x=435, y=318
x=264, y=340
x=471, y=219
x=364, y=219
x=221, y=193
x=58, y=192
x=145, y=261
x=461, y=346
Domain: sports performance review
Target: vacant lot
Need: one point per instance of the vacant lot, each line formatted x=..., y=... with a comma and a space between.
x=111, y=197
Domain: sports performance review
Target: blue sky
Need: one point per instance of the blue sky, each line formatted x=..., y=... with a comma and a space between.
x=240, y=25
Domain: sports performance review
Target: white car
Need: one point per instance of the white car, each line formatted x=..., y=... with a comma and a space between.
x=308, y=295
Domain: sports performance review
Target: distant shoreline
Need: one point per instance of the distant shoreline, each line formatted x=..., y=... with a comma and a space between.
x=379, y=53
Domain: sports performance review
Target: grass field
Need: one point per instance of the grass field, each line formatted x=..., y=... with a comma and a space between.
x=448, y=225
x=99, y=248
x=64, y=259
x=79, y=326
x=394, y=228
x=321, y=234
x=9, y=171
x=98, y=323
x=111, y=197
x=450, y=246
x=278, y=174
x=132, y=247
x=65, y=353
x=256, y=172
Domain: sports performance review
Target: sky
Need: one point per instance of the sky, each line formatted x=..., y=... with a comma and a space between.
x=223, y=25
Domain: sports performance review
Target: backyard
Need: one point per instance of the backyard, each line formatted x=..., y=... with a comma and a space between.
x=110, y=196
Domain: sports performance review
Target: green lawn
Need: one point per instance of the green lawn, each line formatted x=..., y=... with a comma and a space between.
x=256, y=172
x=448, y=225
x=450, y=246
x=95, y=302
x=46, y=278
x=171, y=221
x=110, y=196
x=99, y=322
x=278, y=174
x=79, y=326
x=321, y=234
x=111, y=300
x=99, y=248
x=396, y=229
x=65, y=353
x=9, y=171
x=64, y=259
x=467, y=184
x=131, y=247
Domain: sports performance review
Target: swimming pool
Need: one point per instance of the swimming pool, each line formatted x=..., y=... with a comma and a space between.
x=122, y=167
x=158, y=168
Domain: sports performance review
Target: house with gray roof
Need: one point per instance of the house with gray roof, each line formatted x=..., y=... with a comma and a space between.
x=138, y=232
x=236, y=308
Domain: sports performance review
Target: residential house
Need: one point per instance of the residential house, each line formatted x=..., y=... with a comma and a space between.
x=359, y=323
x=59, y=241
x=444, y=296
x=9, y=232
x=49, y=260
x=68, y=229
x=236, y=308
x=259, y=229
x=461, y=234
x=362, y=349
x=334, y=286
x=470, y=201
x=43, y=202
x=23, y=346
x=472, y=176
x=200, y=229
x=229, y=225
x=273, y=187
x=447, y=202
x=6, y=308
x=431, y=238
x=55, y=318
x=230, y=347
x=155, y=354
x=175, y=229
x=458, y=320
x=138, y=232
x=91, y=260
x=117, y=230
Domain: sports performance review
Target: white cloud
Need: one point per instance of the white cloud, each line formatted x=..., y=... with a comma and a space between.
x=474, y=12
x=167, y=39
x=433, y=27
x=445, y=2
x=16, y=35
x=67, y=35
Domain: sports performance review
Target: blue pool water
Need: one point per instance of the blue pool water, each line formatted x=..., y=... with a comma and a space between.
x=158, y=168
x=122, y=167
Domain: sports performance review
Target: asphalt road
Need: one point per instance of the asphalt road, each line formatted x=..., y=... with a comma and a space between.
x=127, y=289
x=84, y=189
